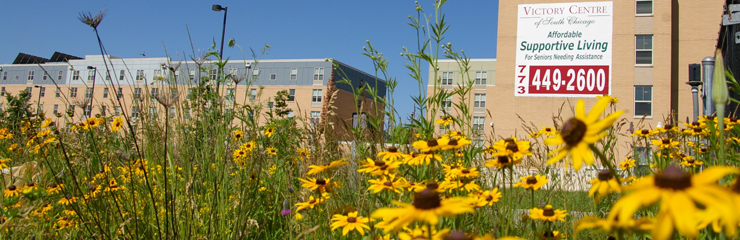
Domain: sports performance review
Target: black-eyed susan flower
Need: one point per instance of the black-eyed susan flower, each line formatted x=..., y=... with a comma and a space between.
x=679, y=194
x=427, y=207
x=303, y=153
x=314, y=169
x=349, y=222
x=548, y=214
x=511, y=147
x=455, y=142
x=421, y=158
x=612, y=99
x=534, y=134
x=422, y=233
x=551, y=235
x=548, y=131
x=488, y=197
x=312, y=202
x=417, y=186
x=604, y=184
x=696, y=132
x=269, y=131
x=298, y=217
x=445, y=121
x=581, y=131
x=392, y=154
x=116, y=124
x=237, y=135
x=379, y=167
x=690, y=162
x=248, y=146
x=315, y=183
x=429, y=145
x=665, y=143
x=668, y=128
x=11, y=191
x=645, y=133
x=92, y=122
x=638, y=226
x=532, y=182
x=390, y=183
x=271, y=151
x=3, y=162
x=503, y=161
x=30, y=187
x=450, y=184
x=67, y=200
x=627, y=164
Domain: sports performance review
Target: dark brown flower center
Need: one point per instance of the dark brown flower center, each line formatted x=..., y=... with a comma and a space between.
x=695, y=124
x=573, y=131
x=710, y=118
x=531, y=180
x=432, y=185
x=351, y=220
x=673, y=177
x=503, y=159
x=511, y=145
x=548, y=129
x=388, y=184
x=312, y=201
x=697, y=130
x=320, y=181
x=703, y=149
x=691, y=161
x=605, y=175
x=666, y=141
x=379, y=163
x=432, y=142
x=549, y=234
x=427, y=199
x=12, y=188
x=384, y=167
x=53, y=185
x=489, y=198
x=611, y=238
x=466, y=171
x=548, y=212
x=452, y=142
x=668, y=127
x=736, y=187
x=392, y=149
x=645, y=131
x=457, y=235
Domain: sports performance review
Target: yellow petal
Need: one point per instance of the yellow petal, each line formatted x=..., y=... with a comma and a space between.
x=713, y=174
x=597, y=110
x=581, y=110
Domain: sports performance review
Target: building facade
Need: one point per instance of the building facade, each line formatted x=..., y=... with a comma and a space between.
x=651, y=45
x=84, y=86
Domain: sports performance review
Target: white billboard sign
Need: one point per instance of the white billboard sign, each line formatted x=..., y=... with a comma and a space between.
x=564, y=49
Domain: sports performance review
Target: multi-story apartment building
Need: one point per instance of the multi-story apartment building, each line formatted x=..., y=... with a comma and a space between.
x=642, y=57
x=88, y=86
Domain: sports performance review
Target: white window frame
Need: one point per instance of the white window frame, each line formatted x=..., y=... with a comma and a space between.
x=318, y=74
x=291, y=94
x=478, y=124
x=2, y=91
x=122, y=75
x=643, y=100
x=88, y=94
x=480, y=100
x=56, y=109
x=42, y=92
x=139, y=75
x=5, y=75
x=252, y=94
x=58, y=93
x=293, y=74
x=87, y=111
x=316, y=95
x=481, y=77
x=30, y=75
x=105, y=92
x=643, y=49
x=273, y=76
x=90, y=75
x=652, y=8
x=73, y=92
x=447, y=78
x=45, y=77
x=76, y=75
x=315, y=117
x=137, y=94
x=134, y=112
x=60, y=74
x=154, y=93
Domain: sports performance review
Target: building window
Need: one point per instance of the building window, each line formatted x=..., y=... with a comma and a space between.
x=230, y=93
x=102, y=110
x=107, y=76
x=270, y=105
x=60, y=74
x=252, y=94
x=644, y=7
x=117, y=111
x=213, y=74
x=273, y=76
x=643, y=49
x=45, y=77
x=447, y=78
x=139, y=75
x=88, y=94
x=71, y=108
x=87, y=111
x=30, y=75
x=233, y=72
x=291, y=95
x=360, y=122
x=76, y=75
x=318, y=74
x=2, y=91
x=40, y=109
x=316, y=95
x=122, y=75
x=172, y=112
x=56, y=109
x=186, y=115
x=480, y=100
x=134, y=112
x=120, y=93
x=152, y=112
x=5, y=76
x=447, y=104
x=293, y=74
x=154, y=93
x=105, y=92
x=478, y=125
x=73, y=92
x=190, y=93
x=315, y=117
x=192, y=75
x=30, y=91
x=58, y=93
x=643, y=100
x=90, y=75
x=157, y=72
x=481, y=77
x=255, y=74
x=137, y=94
x=42, y=91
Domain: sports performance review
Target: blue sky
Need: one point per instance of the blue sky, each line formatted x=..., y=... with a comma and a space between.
x=293, y=28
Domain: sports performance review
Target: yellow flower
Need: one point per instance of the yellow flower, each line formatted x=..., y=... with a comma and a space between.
x=315, y=183
x=487, y=197
x=311, y=202
x=503, y=161
x=679, y=194
x=627, y=164
x=116, y=124
x=695, y=131
x=548, y=214
x=237, y=135
x=422, y=233
x=432, y=144
x=387, y=183
x=11, y=191
x=665, y=143
x=612, y=99
x=421, y=158
x=392, y=154
x=3, y=161
x=314, y=169
x=645, y=133
x=379, y=167
x=271, y=151
x=690, y=162
x=349, y=223
x=668, y=128
x=303, y=153
x=67, y=200
x=298, y=217
x=548, y=131
x=269, y=131
x=551, y=235
x=427, y=207
x=512, y=148
x=530, y=182
x=445, y=121
x=604, y=184
x=450, y=184
x=456, y=142
x=638, y=225
x=47, y=123
x=580, y=131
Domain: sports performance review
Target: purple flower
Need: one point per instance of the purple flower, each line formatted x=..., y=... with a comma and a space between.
x=285, y=212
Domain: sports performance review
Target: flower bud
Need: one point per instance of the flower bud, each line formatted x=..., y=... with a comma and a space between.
x=719, y=83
